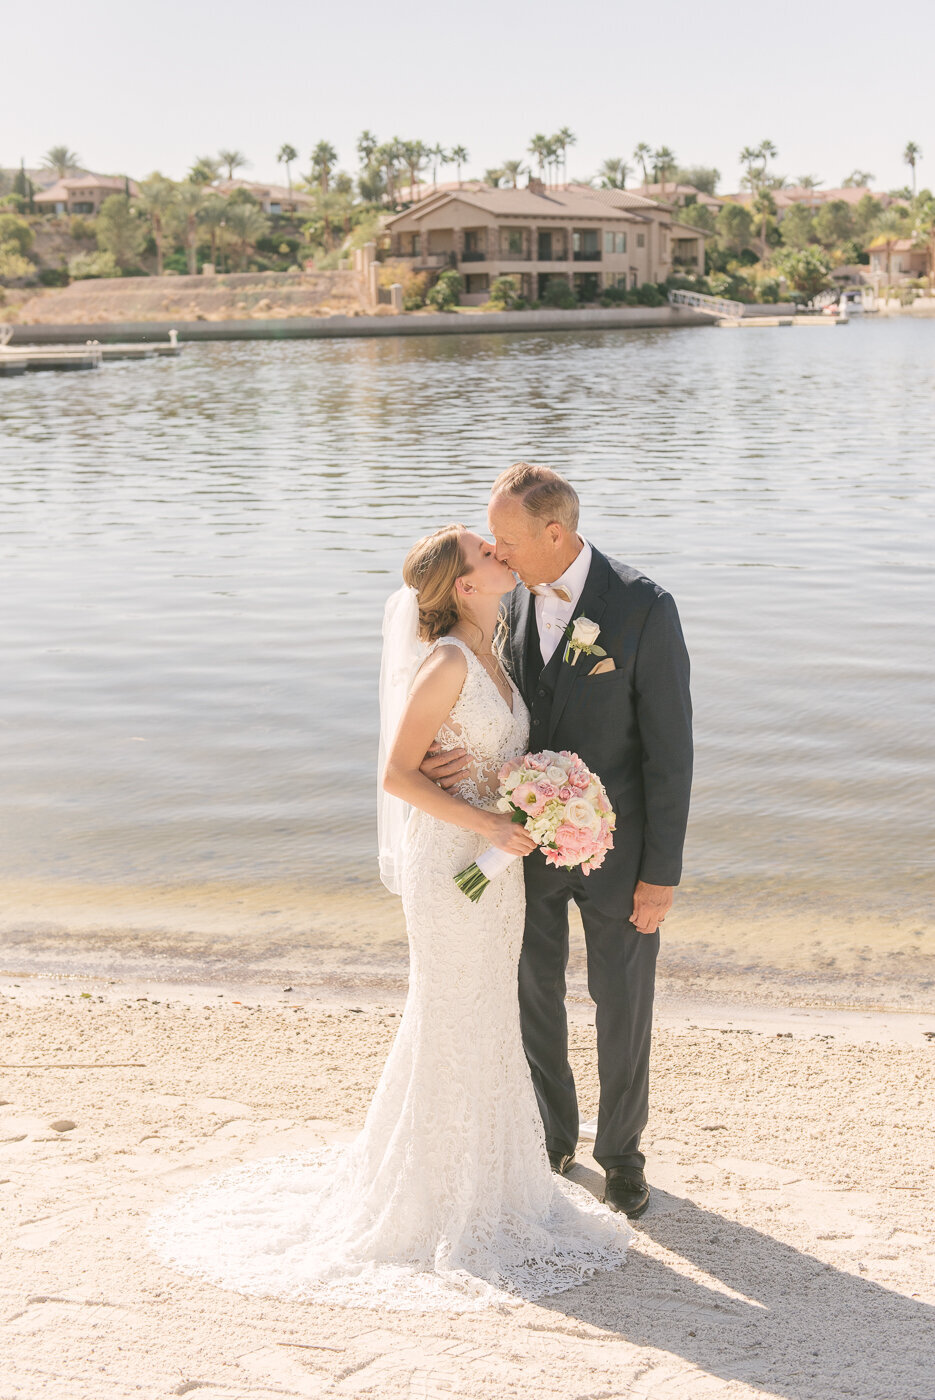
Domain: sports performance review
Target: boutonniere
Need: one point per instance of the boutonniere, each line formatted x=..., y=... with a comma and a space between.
x=582, y=635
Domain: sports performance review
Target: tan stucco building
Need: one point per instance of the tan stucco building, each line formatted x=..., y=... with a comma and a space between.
x=591, y=238
x=82, y=194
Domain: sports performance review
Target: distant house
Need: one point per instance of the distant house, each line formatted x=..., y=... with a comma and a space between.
x=681, y=195
x=82, y=194
x=810, y=199
x=591, y=239
x=273, y=199
x=899, y=260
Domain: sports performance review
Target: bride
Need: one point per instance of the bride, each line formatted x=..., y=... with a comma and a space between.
x=446, y=1198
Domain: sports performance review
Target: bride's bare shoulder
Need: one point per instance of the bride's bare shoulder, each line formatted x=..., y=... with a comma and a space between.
x=445, y=667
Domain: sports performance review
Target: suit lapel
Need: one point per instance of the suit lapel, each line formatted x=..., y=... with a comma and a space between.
x=591, y=604
x=520, y=616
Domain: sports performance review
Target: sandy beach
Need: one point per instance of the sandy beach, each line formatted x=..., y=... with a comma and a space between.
x=787, y=1253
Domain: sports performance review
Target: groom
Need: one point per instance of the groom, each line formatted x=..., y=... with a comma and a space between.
x=628, y=716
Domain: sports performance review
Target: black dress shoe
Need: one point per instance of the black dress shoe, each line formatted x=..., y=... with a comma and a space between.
x=623, y=1193
x=561, y=1162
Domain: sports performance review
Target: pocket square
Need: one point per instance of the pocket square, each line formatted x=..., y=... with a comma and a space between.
x=603, y=666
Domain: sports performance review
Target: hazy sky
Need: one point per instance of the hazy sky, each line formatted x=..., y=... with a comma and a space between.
x=136, y=87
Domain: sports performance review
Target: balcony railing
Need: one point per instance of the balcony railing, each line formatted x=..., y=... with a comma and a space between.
x=587, y=255
x=474, y=255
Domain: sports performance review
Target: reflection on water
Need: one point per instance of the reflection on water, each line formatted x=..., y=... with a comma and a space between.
x=196, y=552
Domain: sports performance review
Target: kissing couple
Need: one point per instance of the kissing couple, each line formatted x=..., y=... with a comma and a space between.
x=455, y=1195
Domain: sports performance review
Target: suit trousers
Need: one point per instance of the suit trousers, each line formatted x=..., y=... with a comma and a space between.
x=621, y=981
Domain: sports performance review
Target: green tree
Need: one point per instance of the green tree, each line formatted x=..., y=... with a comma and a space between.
x=213, y=217
x=446, y=293
x=287, y=154
x=797, y=228
x=416, y=155
x=704, y=177
x=205, y=170
x=805, y=269
x=764, y=207
x=367, y=147
x=539, y=150
x=858, y=179
x=911, y=155
x=234, y=160
x=62, y=160
x=834, y=223
x=118, y=230
x=84, y=265
x=613, y=173
x=15, y=233
x=324, y=158
x=158, y=197
x=13, y=266
x=504, y=293
x=513, y=169
x=664, y=166
x=558, y=295
x=459, y=156
x=23, y=186
x=190, y=200
x=698, y=216
x=809, y=182
x=734, y=227
x=755, y=161
x=493, y=175
x=642, y=154
x=438, y=156
x=564, y=138
x=247, y=225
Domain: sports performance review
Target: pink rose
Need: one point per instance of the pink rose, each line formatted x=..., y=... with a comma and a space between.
x=564, y=794
x=545, y=790
x=536, y=762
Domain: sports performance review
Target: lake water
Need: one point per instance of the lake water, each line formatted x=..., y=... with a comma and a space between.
x=196, y=553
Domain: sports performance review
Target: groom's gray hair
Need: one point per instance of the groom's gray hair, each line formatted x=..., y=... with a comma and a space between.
x=544, y=493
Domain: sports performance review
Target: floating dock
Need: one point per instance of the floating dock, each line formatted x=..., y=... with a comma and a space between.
x=18, y=359
x=745, y=322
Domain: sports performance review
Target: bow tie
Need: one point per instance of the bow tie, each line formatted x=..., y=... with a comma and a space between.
x=548, y=590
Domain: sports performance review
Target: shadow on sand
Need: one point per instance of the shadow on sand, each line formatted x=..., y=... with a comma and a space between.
x=803, y=1329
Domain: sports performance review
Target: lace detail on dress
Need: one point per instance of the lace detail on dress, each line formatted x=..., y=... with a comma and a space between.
x=445, y=1200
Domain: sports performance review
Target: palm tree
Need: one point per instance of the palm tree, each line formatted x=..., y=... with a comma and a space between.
x=324, y=157
x=564, y=138
x=809, y=182
x=287, y=154
x=213, y=217
x=438, y=156
x=539, y=149
x=765, y=206
x=643, y=155
x=205, y=171
x=190, y=200
x=858, y=179
x=234, y=160
x=911, y=154
x=248, y=224
x=158, y=197
x=513, y=169
x=459, y=157
x=61, y=160
x=613, y=173
x=386, y=157
x=754, y=159
x=367, y=145
x=415, y=154
x=664, y=165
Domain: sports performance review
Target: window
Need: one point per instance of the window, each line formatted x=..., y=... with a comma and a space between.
x=608, y=242
x=620, y=243
x=513, y=241
x=641, y=240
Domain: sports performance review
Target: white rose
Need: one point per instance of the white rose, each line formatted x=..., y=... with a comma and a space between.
x=504, y=805
x=581, y=814
x=585, y=632
x=513, y=780
x=557, y=776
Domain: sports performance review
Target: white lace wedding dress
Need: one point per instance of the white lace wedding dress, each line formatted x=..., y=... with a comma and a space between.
x=445, y=1200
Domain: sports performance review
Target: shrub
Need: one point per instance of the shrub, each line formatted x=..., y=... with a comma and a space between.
x=446, y=293
x=13, y=266
x=79, y=227
x=15, y=232
x=614, y=296
x=650, y=295
x=414, y=284
x=54, y=276
x=504, y=294
x=13, y=201
x=84, y=265
x=559, y=295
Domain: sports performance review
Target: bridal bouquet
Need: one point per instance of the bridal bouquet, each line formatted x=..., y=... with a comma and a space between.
x=563, y=807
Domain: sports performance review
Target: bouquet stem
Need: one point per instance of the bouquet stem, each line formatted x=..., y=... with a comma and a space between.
x=475, y=878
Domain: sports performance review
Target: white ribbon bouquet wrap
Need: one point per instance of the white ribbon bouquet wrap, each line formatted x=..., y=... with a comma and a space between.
x=561, y=804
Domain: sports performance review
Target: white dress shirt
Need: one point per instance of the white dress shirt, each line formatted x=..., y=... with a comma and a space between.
x=553, y=614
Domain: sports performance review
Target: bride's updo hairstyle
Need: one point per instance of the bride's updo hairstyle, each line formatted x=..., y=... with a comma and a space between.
x=432, y=567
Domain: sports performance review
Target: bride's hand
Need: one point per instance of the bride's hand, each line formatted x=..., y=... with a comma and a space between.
x=508, y=835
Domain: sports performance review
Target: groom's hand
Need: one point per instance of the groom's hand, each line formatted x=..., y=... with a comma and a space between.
x=651, y=903
x=444, y=766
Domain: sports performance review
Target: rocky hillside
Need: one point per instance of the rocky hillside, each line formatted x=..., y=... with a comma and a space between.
x=234, y=296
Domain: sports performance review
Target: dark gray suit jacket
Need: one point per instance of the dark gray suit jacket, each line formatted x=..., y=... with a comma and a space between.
x=631, y=726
